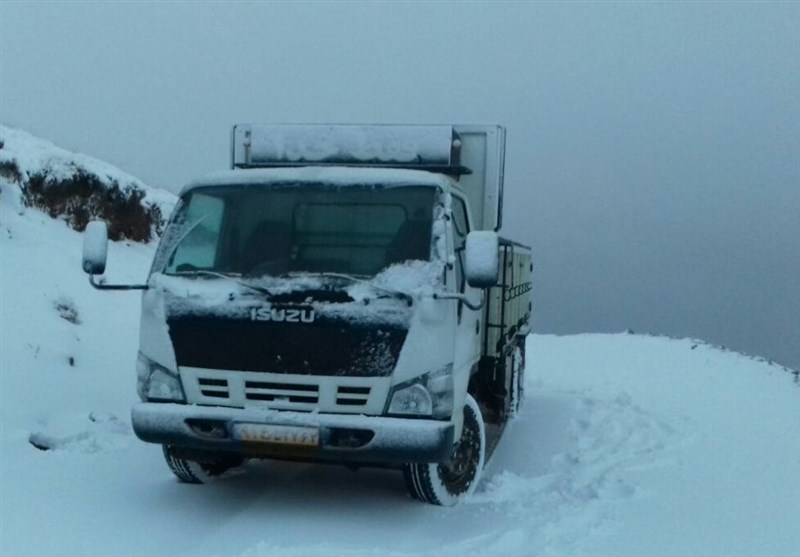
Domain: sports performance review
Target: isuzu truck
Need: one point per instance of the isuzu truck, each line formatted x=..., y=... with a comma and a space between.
x=341, y=295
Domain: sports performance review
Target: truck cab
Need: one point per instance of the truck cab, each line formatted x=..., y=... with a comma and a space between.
x=340, y=295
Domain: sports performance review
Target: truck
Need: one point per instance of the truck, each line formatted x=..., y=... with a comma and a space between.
x=341, y=294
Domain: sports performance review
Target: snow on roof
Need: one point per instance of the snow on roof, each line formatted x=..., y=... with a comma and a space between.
x=342, y=142
x=338, y=175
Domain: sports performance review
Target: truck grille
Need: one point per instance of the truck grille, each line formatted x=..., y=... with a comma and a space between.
x=341, y=348
x=214, y=388
x=260, y=390
x=281, y=392
x=352, y=396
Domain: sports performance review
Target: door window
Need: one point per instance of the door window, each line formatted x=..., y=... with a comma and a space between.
x=460, y=231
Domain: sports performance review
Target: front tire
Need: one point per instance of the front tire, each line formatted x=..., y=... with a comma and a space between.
x=449, y=483
x=196, y=472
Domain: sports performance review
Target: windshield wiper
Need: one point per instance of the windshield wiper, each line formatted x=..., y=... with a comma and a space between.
x=204, y=272
x=396, y=293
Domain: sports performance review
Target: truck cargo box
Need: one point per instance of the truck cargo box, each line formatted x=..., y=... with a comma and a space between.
x=509, y=305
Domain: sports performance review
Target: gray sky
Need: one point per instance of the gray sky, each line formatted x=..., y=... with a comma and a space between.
x=653, y=149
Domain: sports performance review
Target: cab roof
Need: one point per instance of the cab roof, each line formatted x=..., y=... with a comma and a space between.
x=333, y=175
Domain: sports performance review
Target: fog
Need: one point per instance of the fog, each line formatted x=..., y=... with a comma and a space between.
x=653, y=154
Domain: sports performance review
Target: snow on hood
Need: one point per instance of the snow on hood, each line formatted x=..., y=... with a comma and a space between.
x=382, y=299
x=216, y=291
x=414, y=278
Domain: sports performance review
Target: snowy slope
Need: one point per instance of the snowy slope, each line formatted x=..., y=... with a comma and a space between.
x=627, y=445
x=31, y=155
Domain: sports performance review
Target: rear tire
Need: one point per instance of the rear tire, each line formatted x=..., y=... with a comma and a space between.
x=449, y=483
x=196, y=472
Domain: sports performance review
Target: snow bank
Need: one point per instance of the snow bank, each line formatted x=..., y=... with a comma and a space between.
x=77, y=188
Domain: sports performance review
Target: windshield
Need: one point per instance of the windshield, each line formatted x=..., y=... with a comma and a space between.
x=304, y=228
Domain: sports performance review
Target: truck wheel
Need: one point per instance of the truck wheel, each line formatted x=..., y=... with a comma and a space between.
x=449, y=483
x=194, y=472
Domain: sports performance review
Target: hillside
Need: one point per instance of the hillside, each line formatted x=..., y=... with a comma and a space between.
x=77, y=188
x=626, y=445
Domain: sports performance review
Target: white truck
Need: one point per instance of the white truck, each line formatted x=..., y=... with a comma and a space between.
x=340, y=295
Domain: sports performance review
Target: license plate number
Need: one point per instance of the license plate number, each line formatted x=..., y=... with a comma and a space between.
x=277, y=434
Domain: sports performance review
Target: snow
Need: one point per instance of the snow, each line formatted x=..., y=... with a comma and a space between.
x=322, y=143
x=233, y=298
x=335, y=176
x=625, y=445
x=482, y=257
x=83, y=432
x=95, y=247
x=415, y=278
x=35, y=155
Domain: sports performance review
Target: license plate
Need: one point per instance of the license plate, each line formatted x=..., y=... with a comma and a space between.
x=277, y=434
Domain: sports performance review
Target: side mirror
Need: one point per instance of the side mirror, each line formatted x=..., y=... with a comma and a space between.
x=95, y=247
x=483, y=259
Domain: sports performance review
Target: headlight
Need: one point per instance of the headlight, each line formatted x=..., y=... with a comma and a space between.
x=414, y=400
x=156, y=383
x=430, y=394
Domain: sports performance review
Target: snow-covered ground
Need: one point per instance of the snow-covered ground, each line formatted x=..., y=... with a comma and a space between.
x=626, y=445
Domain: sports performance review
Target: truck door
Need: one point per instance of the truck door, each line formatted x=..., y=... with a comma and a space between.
x=468, y=328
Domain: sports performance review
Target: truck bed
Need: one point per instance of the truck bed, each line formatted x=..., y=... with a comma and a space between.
x=509, y=307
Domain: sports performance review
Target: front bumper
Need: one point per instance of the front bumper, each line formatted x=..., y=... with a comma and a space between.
x=342, y=437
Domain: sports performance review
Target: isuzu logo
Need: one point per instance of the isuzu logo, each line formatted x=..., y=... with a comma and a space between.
x=282, y=315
